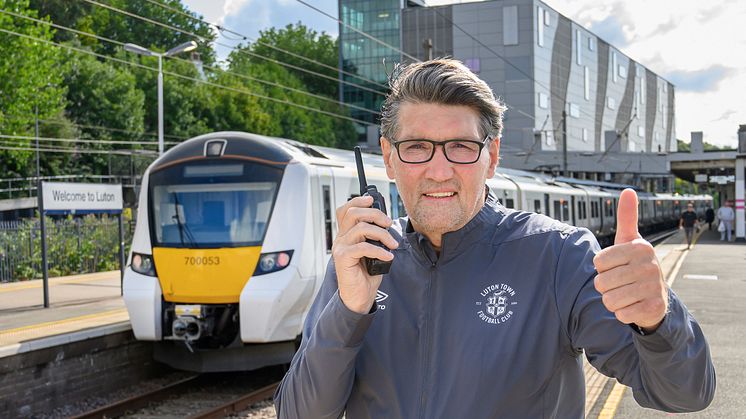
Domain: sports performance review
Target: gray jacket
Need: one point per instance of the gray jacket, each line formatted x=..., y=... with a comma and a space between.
x=493, y=328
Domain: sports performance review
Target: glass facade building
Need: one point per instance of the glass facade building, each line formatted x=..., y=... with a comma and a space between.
x=364, y=57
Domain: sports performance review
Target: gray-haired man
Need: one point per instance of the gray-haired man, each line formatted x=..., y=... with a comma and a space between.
x=488, y=310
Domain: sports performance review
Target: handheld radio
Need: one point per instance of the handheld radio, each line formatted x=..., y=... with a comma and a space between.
x=374, y=266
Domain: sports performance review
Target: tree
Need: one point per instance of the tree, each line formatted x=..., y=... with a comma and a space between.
x=29, y=80
x=91, y=18
x=306, y=42
x=101, y=94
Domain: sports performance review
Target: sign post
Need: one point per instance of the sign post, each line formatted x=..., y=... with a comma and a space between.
x=78, y=198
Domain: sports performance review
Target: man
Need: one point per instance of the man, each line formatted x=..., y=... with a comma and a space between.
x=486, y=311
x=709, y=217
x=687, y=221
x=726, y=216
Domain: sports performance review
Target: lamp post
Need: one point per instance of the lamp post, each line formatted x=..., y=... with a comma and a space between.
x=185, y=47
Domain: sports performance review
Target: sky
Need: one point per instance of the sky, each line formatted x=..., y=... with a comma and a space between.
x=699, y=46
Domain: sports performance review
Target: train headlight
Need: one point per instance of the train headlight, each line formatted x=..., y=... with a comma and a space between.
x=143, y=264
x=273, y=262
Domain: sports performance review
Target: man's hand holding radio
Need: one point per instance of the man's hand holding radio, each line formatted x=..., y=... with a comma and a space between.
x=356, y=222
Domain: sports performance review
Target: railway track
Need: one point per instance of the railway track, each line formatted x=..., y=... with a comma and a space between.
x=204, y=396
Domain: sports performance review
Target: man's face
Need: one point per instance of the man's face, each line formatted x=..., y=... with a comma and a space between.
x=689, y=208
x=460, y=186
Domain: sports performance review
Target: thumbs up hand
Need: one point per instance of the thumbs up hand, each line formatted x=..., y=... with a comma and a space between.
x=629, y=276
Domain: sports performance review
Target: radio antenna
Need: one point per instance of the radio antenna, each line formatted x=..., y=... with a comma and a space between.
x=360, y=171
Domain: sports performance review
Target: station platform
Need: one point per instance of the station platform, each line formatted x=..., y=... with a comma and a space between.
x=711, y=281
x=87, y=306
x=80, y=307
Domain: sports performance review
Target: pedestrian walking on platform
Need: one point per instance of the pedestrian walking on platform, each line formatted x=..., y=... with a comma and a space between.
x=709, y=217
x=486, y=311
x=688, y=221
x=726, y=217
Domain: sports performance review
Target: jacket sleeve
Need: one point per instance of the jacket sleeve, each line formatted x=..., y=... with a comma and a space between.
x=670, y=369
x=321, y=375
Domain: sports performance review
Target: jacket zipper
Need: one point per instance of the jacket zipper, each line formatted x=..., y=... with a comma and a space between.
x=426, y=342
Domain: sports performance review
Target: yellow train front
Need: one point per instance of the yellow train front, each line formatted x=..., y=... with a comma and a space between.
x=215, y=274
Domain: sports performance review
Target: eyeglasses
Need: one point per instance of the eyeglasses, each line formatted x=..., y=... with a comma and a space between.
x=456, y=151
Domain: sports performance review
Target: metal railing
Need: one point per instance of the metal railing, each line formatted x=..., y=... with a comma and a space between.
x=75, y=245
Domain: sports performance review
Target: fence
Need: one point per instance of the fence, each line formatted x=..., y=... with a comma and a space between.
x=74, y=245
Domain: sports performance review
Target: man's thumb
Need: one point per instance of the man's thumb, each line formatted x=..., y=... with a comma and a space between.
x=626, y=217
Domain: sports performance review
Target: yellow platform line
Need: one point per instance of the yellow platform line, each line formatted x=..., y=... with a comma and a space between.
x=39, y=330
x=615, y=397
x=612, y=402
x=38, y=283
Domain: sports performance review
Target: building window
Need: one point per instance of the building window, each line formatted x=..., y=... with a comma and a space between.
x=510, y=25
x=641, y=131
x=543, y=100
x=610, y=103
x=550, y=138
x=578, y=47
x=613, y=67
x=540, y=26
x=586, y=83
x=574, y=110
x=622, y=71
x=631, y=145
x=642, y=90
x=591, y=44
x=585, y=135
x=473, y=65
x=547, y=18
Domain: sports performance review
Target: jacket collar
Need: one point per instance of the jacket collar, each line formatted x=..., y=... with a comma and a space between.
x=454, y=242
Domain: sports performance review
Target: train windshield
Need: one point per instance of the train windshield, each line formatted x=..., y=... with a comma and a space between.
x=212, y=204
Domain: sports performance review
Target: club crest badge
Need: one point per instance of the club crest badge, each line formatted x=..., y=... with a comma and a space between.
x=496, y=304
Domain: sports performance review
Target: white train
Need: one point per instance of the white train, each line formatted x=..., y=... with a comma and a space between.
x=234, y=232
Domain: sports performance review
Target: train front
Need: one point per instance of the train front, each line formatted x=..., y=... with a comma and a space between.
x=205, y=209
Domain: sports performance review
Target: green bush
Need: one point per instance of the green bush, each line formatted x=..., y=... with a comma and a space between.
x=74, y=245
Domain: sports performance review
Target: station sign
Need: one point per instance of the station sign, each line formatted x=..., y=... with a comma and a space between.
x=700, y=178
x=722, y=180
x=82, y=197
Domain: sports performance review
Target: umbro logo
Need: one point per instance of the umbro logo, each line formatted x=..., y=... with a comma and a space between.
x=380, y=297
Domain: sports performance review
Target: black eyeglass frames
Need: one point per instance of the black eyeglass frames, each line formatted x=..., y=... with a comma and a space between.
x=456, y=151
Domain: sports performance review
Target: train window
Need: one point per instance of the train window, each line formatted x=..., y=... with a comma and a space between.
x=582, y=210
x=537, y=206
x=510, y=203
x=557, y=210
x=327, y=217
x=565, y=211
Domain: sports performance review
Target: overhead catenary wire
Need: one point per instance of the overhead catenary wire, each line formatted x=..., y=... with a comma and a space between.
x=246, y=92
x=93, y=127
x=83, y=141
x=212, y=68
x=372, y=38
x=505, y=60
x=241, y=36
x=240, y=50
x=369, y=36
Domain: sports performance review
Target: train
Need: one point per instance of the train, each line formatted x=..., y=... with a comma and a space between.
x=234, y=232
